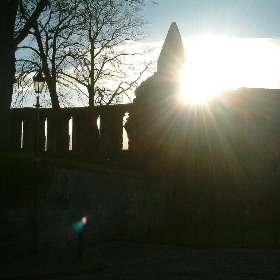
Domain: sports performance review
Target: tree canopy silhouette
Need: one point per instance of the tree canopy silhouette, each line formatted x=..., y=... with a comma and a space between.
x=87, y=51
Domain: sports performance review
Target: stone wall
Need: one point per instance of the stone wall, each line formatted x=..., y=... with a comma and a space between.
x=116, y=204
x=88, y=141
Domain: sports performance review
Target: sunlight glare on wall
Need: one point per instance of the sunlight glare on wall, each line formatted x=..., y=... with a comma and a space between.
x=46, y=135
x=70, y=135
x=98, y=126
x=125, y=137
x=21, y=135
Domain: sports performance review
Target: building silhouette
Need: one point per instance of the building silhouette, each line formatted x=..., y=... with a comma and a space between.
x=236, y=132
x=221, y=159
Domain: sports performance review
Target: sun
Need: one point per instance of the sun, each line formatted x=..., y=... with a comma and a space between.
x=194, y=89
x=198, y=87
x=208, y=70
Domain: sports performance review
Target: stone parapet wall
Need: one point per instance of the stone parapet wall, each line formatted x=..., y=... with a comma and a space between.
x=88, y=140
x=117, y=204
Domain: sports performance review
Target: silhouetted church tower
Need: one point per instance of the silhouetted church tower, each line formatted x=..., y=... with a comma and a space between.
x=171, y=60
x=150, y=126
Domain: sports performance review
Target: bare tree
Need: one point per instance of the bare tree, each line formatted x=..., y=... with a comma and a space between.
x=47, y=49
x=12, y=33
x=87, y=51
x=102, y=61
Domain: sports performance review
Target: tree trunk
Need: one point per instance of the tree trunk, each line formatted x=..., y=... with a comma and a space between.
x=91, y=88
x=7, y=72
x=6, y=85
x=8, y=44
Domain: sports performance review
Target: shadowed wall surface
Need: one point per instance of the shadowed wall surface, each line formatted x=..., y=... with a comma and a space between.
x=222, y=158
x=117, y=204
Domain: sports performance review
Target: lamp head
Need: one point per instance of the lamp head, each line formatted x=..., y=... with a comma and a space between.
x=39, y=81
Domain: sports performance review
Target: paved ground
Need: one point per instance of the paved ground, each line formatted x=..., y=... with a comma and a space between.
x=127, y=260
x=141, y=261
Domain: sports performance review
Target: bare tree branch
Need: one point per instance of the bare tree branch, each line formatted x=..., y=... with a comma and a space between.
x=85, y=39
x=30, y=21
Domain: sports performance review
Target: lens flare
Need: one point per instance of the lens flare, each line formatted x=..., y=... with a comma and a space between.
x=78, y=226
x=84, y=220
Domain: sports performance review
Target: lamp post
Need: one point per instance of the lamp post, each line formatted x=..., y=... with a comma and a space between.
x=39, y=81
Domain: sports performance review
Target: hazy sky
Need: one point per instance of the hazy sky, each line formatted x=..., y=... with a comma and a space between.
x=234, y=18
x=228, y=43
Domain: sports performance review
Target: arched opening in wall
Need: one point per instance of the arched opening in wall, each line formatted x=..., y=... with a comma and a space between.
x=98, y=126
x=46, y=135
x=22, y=135
x=70, y=134
x=125, y=136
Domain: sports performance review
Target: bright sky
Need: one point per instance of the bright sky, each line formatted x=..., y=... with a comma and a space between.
x=228, y=44
x=233, y=18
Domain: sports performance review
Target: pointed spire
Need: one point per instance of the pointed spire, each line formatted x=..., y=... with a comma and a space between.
x=172, y=59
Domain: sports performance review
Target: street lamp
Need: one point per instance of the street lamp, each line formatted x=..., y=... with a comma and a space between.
x=39, y=81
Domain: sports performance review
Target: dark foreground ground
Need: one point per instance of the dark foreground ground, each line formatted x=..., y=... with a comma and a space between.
x=127, y=260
